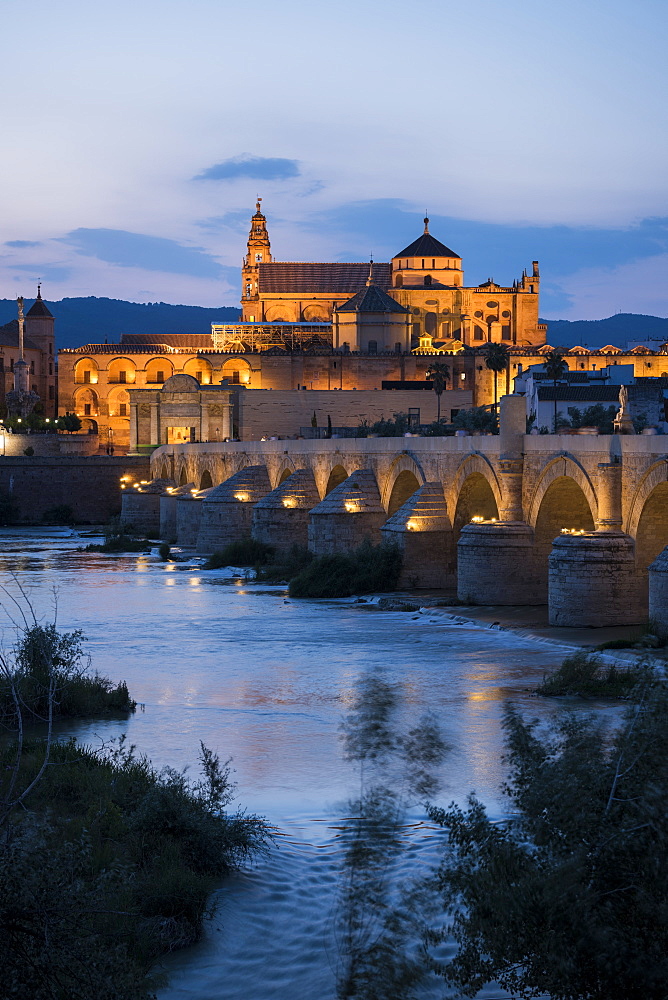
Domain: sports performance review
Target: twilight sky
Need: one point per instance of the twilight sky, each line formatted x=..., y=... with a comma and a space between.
x=137, y=134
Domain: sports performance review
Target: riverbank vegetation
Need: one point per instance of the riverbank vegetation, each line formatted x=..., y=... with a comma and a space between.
x=120, y=537
x=49, y=677
x=244, y=552
x=585, y=674
x=567, y=896
x=368, y=569
x=105, y=862
x=108, y=864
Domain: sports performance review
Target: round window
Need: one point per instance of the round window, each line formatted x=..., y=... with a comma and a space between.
x=478, y=314
x=506, y=313
x=492, y=305
x=416, y=312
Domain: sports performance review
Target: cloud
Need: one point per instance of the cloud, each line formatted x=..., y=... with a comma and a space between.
x=264, y=168
x=152, y=253
x=21, y=243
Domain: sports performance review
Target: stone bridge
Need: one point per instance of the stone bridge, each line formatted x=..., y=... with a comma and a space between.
x=511, y=519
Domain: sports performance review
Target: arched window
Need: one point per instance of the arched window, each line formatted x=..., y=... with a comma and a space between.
x=399, y=281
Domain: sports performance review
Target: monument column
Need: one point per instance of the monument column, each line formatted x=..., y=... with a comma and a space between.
x=204, y=421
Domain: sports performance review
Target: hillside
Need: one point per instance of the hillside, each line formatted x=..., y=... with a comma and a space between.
x=595, y=333
x=94, y=320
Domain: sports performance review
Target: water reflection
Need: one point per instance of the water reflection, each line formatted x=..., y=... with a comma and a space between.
x=267, y=683
x=377, y=916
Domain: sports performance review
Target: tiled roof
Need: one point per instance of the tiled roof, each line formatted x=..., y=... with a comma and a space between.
x=427, y=246
x=195, y=341
x=38, y=308
x=9, y=337
x=372, y=300
x=580, y=393
x=335, y=279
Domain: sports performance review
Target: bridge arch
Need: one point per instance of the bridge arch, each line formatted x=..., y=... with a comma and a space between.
x=285, y=471
x=405, y=476
x=564, y=498
x=563, y=467
x=475, y=498
x=648, y=520
x=205, y=482
x=337, y=476
x=183, y=475
x=475, y=463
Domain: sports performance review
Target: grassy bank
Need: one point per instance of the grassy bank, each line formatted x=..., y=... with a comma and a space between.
x=586, y=674
x=107, y=865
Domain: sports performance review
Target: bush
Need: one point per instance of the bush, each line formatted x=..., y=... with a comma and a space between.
x=109, y=865
x=48, y=668
x=61, y=513
x=120, y=543
x=29, y=451
x=368, y=569
x=285, y=565
x=245, y=552
x=584, y=674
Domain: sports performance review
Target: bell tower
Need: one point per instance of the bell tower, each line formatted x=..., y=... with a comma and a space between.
x=258, y=252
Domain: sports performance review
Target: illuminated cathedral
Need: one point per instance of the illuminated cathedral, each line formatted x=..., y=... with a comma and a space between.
x=420, y=293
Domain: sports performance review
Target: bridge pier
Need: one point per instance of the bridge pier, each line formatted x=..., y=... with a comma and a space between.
x=495, y=564
x=423, y=531
x=189, y=516
x=658, y=594
x=281, y=517
x=168, y=511
x=593, y=581
x=141, y=507
x=351, y=513
x=227, y=509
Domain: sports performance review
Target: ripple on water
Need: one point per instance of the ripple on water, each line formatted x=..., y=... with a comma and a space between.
x=267, y=683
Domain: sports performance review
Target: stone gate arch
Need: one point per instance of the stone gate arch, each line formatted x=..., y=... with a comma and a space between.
x=404, y=477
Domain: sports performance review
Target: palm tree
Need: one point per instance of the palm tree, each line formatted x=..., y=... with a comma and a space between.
x=439, y=374
x=497, y=357
x=555, y=367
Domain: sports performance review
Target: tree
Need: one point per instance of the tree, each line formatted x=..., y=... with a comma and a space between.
x=439, y=374
x=497, y=357
x=567, y=896
x=70, y=423
x=555, y=368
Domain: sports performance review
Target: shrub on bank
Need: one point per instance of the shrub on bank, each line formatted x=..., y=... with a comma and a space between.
x=49, y=673
x=285, y=565
x=585, y=674
x=245, y=552
x=109, y=865
x=370, y=568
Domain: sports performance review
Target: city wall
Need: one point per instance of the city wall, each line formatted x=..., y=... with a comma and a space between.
x=90, y=486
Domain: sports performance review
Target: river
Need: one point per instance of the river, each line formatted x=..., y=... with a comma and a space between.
x=266, y=680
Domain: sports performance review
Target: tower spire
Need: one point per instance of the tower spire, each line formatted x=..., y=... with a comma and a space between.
x=21, y=326
x=369, y=280
x=426, y=222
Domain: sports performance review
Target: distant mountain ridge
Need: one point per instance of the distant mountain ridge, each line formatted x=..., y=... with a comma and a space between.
x=93, y=320
x=617, y=330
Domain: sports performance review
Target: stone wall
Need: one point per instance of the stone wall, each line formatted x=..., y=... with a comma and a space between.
x=50, y=444
x=90, y=486
x=273, y=413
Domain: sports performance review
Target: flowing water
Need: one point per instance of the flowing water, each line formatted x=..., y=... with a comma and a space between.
x=266, y=681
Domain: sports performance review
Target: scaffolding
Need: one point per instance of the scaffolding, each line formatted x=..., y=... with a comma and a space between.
x=244, y=337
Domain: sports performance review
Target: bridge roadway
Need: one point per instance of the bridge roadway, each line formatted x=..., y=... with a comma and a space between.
x=486, y=512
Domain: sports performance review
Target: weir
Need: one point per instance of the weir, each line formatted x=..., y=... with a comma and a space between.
x=479, y=512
